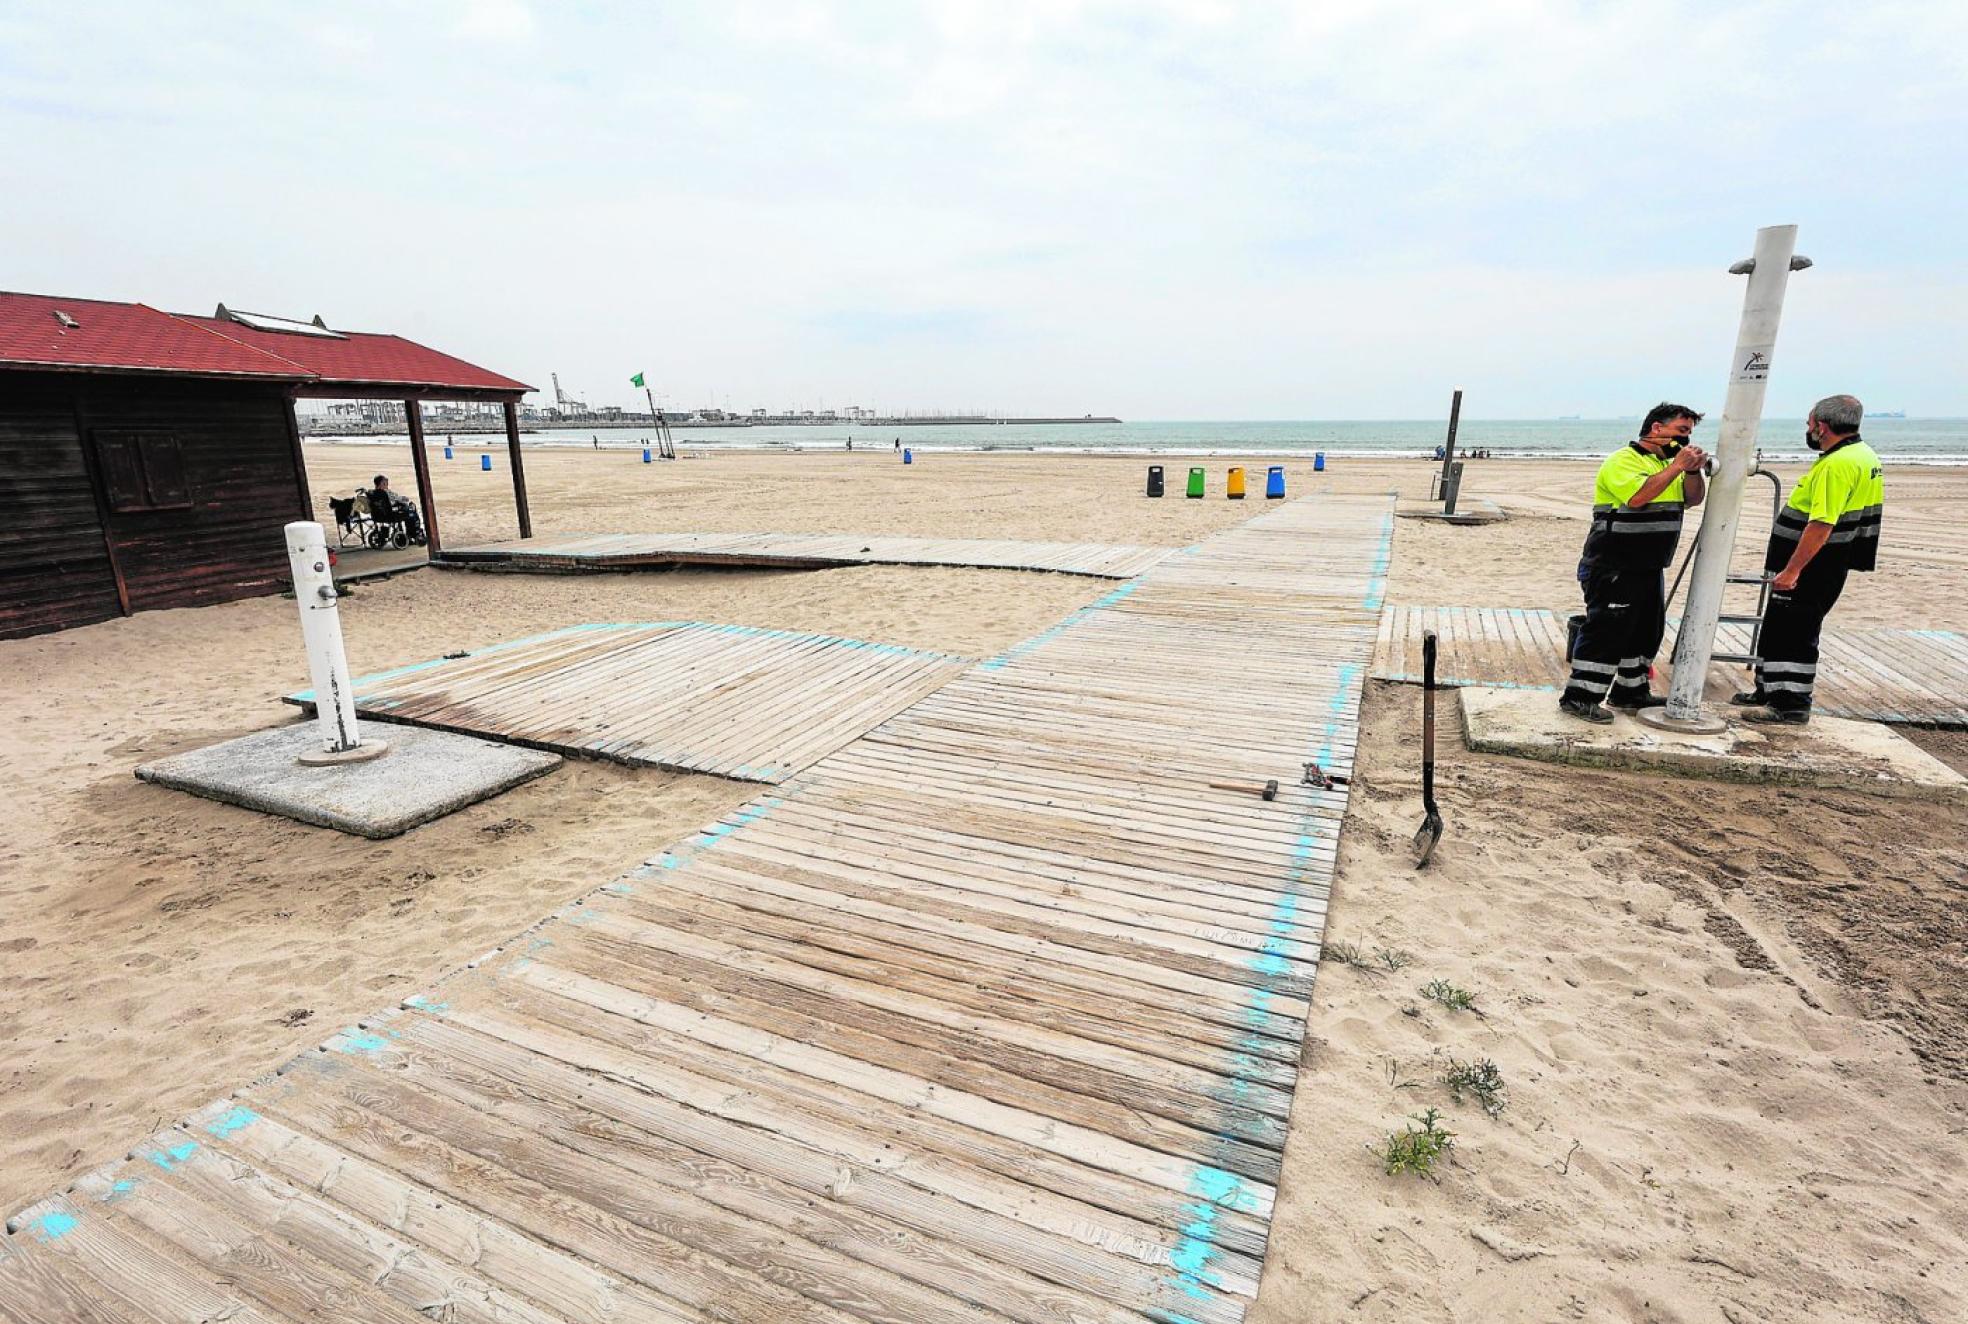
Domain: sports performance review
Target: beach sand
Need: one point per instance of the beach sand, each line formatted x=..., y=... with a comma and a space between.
x=1732, y=1021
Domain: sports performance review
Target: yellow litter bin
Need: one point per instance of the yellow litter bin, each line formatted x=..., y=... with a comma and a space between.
x=1235, y=487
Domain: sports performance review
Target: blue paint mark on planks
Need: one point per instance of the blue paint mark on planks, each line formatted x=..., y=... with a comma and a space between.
x=1218, y=1188
x=170, y=1157
x=54, y=1225
x=1044, y=637
x=236, y=1119
x=358, y=1041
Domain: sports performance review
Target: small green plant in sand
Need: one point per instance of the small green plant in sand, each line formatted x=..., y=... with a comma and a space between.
x=1481, y=1081
x=1416, y=1149
x=1348, y=953
x=1455, y=999
x=1393, y=958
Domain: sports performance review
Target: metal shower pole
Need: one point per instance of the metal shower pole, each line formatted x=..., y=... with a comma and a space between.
x=1735, y=449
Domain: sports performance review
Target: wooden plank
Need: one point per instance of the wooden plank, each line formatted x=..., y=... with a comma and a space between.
x=559, y=1281
x=753, y=705
x=990, y=1012
x=603, y=551
x=37, y=1288
x=918, y=1170
x=1905, y=676
x=110, y=1266
x=760, y=1176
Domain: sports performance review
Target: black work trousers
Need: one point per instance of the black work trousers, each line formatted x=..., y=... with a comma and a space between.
x=1788, y=646
x=1625, y=617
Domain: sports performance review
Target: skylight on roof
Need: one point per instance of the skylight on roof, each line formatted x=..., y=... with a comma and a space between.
x=284, y=325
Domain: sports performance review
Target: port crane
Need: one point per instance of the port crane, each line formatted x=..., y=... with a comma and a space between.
x=567, y=404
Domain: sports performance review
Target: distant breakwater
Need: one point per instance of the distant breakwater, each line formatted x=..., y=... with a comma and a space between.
x=316, y=427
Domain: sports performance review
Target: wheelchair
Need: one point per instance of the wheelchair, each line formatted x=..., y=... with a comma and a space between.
x=377, y=519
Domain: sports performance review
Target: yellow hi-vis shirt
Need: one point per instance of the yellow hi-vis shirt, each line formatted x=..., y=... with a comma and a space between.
x=1846, y=489
x=1623, y=536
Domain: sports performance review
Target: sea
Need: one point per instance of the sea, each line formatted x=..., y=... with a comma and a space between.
x=1935, y=441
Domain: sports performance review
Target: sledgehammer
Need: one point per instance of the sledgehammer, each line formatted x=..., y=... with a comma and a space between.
x=1269, y=790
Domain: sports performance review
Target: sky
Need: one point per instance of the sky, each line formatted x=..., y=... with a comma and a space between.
x=1186, y=210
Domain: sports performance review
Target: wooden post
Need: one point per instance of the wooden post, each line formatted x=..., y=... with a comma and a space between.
x=300, y=461
x=99, y=488
x=1449, y=453
x=413, y=414
x=518, y=468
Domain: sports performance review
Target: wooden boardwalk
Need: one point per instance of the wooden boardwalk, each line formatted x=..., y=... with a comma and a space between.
x=1919, y=677
x=752, y=705
x=629, y=551
x=992, y=1015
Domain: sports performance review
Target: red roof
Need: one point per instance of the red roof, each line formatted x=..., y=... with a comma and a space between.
x=131, y=337
x=365, y=358
x=125, y=337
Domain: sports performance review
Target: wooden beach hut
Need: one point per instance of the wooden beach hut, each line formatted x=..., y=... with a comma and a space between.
x=150, y=459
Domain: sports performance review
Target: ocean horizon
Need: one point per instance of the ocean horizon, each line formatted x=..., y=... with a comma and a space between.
x=1926, y=441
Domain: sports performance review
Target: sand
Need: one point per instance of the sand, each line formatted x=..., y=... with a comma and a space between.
x=1731, y=1020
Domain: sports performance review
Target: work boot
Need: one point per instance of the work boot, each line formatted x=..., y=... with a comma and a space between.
x=1750, y=699
x=1585, y=712
x=1778, y=716
x=1635, y=705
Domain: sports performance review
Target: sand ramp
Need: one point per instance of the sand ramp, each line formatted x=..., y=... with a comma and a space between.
x=1913, y=676
x=749, y=704
x=993, y=1014
x=628, y=551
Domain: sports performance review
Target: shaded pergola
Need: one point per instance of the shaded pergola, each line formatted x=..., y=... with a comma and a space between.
x=360, y=365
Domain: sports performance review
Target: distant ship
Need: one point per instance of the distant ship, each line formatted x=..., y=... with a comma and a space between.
x=1889, y=413
x=1568, y=418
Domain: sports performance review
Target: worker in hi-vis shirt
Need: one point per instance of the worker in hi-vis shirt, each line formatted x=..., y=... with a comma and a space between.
x=1637, y=501
x=1828, y=528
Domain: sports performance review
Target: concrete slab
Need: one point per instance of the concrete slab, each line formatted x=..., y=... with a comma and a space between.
x=1830, y=752
x=425, y=775
x=1469, y=510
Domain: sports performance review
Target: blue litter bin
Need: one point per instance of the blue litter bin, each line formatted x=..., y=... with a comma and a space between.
x=1274, y=482
x=908, y=455
x=1318, y=462
x=645, y=455
x=447, y=452
x=485, y=463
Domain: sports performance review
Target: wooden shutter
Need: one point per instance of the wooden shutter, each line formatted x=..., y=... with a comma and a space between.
x=143, y=470
x=123, y=470
x=164, y=472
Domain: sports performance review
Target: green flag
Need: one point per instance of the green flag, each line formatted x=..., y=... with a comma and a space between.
x=636, y=380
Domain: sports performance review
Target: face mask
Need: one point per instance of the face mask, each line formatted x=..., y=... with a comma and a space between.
x=1811, y=440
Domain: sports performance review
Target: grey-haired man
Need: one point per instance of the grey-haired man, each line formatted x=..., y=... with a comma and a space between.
x=1828, y=528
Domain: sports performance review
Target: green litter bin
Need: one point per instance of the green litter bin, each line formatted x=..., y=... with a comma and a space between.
x=1196, y=482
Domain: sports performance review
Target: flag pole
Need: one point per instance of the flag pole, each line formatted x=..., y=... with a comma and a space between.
x=656, y=418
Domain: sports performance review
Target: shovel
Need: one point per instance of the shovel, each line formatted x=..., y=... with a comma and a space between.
x=1430, y=830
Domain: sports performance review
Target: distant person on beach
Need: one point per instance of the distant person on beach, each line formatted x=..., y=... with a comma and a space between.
x=1828, y=529
x=1441, y=452
x=898, y=443
x=1637, y=503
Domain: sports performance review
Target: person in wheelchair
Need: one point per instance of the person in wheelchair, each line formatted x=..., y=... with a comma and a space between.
x=395, y=517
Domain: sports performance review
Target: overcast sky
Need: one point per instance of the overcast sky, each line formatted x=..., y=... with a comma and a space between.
x=1182, y=210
